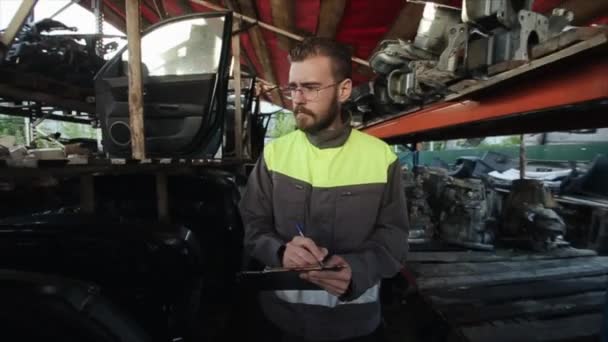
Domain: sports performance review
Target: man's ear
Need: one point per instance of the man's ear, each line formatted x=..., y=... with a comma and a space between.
x=345, y=88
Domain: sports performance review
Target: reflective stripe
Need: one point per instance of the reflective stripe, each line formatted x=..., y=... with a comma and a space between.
x=324, y=298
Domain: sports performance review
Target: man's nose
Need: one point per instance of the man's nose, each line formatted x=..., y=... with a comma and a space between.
x=298, y=98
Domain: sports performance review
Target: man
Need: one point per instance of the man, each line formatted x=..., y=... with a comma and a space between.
x=326, y=194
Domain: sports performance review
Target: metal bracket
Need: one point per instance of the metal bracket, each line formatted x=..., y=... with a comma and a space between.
x=534, y=30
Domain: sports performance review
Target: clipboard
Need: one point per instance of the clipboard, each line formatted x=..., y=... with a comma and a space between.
x=281, y=278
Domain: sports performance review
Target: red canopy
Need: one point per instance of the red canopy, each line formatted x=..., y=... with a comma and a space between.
x=362, y=25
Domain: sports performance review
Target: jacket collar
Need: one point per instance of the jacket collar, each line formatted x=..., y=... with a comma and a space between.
x=330, y=139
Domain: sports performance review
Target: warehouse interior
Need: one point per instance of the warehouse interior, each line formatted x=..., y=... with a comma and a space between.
x=129, y=128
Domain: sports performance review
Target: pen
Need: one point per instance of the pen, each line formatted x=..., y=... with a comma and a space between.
x=301, y=232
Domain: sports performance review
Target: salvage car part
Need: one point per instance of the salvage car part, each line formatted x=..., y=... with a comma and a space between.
x=185, y=64
x=420, y=214
x=449, y=48
x=529, y=214
x=464, y=218
x=490, y=11
x=68, y=57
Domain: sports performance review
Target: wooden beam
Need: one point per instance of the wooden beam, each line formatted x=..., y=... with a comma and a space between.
x=330, y=15
x=261, y=50
x=118, y=5
x=265, y=26
x=136, y=110
x=283, y=18
x=159, y=6
x=17, y=22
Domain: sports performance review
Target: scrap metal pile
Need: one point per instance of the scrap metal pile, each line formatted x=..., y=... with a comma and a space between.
x=53, y=49
x=467, y=205
x=453, y=44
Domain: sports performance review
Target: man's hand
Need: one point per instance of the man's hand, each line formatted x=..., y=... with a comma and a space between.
x=334, y=282
x=302, y=252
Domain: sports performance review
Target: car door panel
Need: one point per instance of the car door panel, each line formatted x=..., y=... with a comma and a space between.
x=184, y=90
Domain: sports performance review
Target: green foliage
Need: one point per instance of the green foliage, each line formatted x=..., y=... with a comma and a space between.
x=68, y=130
x=284, y=123
x=12, y=126
x=15, y=126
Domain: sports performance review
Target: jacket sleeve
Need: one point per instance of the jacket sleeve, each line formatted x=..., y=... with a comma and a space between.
x=384, y=252
x=261, y=239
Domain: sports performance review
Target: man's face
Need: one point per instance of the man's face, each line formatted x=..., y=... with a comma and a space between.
x=315, y=113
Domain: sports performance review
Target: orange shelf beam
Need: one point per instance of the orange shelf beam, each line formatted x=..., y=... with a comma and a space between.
x=554, y=87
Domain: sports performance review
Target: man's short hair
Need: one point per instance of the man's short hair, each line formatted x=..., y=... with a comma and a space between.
x=339, y=54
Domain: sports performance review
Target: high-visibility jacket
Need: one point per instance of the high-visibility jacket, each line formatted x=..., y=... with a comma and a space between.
x=346, y=194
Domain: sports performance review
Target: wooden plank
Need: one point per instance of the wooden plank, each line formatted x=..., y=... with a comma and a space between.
x=330, y=14
x=45, y=98
x=563, y=40
x=596, y=41
x=283, y=17
x=499, y=255
x=468, y=268
x=583, y=303
x=136, y=108
x=583, y=270
x=582, y=200
x=510, y=292
x=493, y=70
x=563, y=329
x=120, y=5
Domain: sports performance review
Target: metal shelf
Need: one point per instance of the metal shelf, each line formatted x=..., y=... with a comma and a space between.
x=567, y=93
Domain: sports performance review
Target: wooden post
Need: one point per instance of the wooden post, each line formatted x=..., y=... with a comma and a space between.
x=136, y=108
x=238, y=113
x=17, y=22
x=522, y=158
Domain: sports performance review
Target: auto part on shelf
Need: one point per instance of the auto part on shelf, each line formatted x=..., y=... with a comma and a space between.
x=65, y=57
x=452, y=45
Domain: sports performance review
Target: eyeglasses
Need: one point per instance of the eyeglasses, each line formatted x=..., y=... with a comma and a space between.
x=309, y=93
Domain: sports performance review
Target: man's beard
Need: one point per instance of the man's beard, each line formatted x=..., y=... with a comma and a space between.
x=320, y=122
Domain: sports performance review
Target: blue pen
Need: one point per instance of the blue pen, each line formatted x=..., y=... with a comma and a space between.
x=301, y=233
